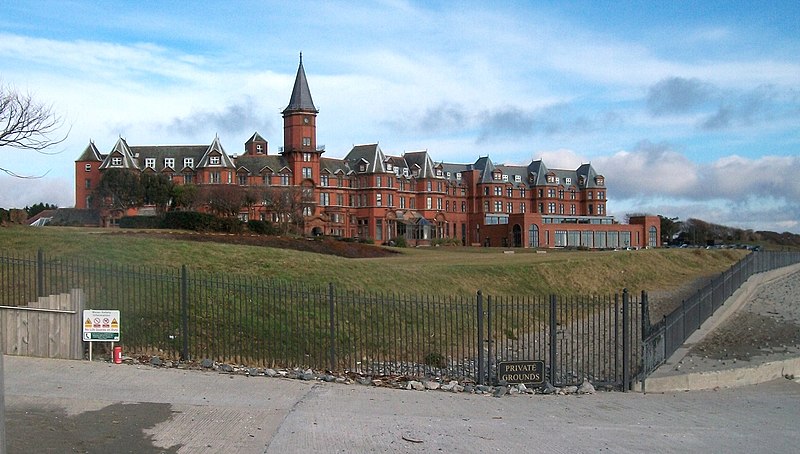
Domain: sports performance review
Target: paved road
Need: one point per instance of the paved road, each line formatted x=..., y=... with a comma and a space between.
x=81, y=406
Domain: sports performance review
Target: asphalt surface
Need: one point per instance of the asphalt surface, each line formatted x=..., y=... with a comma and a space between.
x=80, y=406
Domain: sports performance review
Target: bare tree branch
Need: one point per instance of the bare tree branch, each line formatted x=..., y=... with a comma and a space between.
x=27, y=124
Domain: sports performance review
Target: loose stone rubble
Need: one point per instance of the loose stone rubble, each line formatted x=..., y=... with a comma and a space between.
x=386, y=381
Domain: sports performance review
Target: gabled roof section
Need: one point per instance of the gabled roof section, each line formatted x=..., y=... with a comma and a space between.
x=332, y=165
x=216, y=149
x=120, y=150
x=421, y=160
x=256, y=137
x=370, y=154
x=589, y=176
x=90, y=153
x=300, y=101
x=255, y=165
x=536, y=173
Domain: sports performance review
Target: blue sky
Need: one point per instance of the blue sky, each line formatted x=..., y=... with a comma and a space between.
x=690, y=109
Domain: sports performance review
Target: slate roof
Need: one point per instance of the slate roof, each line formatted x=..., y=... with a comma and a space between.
x=369, y=154
x=300, y=101
x=91, y=153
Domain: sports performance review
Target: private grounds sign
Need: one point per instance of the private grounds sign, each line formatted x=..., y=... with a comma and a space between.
x=516, y=372
x=100, y=325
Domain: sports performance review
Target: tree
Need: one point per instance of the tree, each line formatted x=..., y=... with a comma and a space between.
x=223, y=200
x=184, y=196
x=26, y=124
x=37, y=208
x=156, y=190
x=669, y=228
x=119, y=189
x=286, y=203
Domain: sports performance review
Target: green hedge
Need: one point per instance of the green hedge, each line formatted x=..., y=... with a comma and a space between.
x=141, y=222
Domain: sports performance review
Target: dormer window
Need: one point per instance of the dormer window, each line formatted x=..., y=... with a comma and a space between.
x=568, y=181
x=551, y=178
x=458, y=176
x=213, y=160
x=259, y=149
x=362, y=168
x=389, y=166
x=188, y=162
x=517, y=178
x=496, y=176
x=599, y=181
x=505, y=177
x=438, y=172
x=116, y=162
x=150, y=163
x=169, y=163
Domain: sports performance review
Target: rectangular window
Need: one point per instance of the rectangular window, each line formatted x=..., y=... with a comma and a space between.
x=324, y=198
x=323, y=180
x=307, y=143
x=242, y=180
x=265, y=179
x=429, y=185
x=378, y=180
x=509, y=192
x=188, y=178
x=379, y=199
x=213, y=160
x=509, y=207
x=402, y=202
x=498, y=206
x=391, y=200
x=150, y=163
x=116, y=162
x=213, y=177
x=88, y=183
x=522, y=207
x=88, y=167
x=188, y=162
x=428, y=203
x=412, y=203
x=307, y=172
x=169, y=163
x=551, y=192
x=498, y=191
x=340, y=199
x=379, y=229
x=439, y=203
x=551, y=207
x=284, y=179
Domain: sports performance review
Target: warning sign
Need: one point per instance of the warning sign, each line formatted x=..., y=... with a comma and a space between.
x=100, y=325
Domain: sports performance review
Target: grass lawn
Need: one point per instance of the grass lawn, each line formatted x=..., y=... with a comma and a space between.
x=440, y=271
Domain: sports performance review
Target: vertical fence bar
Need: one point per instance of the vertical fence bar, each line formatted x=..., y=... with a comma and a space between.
x=626, y=342
x=184, y=313
x=553, y=321
x=332, y=314
x=39, y=273
x=489, y=344
x=481, y=370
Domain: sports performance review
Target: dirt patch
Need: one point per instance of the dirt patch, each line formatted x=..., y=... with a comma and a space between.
x=769, y=325
x=329, y=246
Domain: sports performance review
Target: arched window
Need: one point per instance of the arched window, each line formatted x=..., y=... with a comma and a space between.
x=533, y=236
x=652, y=241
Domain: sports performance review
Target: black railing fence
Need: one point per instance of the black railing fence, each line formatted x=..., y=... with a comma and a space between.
x=662, y=339
x=179, y=313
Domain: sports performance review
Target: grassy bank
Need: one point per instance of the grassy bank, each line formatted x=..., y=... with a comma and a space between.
x=445, y=271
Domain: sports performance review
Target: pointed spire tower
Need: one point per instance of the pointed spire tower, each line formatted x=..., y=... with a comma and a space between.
x=300, y=131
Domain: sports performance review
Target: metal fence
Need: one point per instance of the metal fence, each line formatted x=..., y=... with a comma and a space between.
x=662, y=339
x=180, y=313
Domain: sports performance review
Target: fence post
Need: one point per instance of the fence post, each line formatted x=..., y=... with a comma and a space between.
x=39, y=273
x=481, y=371
x=626, y=342
x=332, y=314
x=184, y=313
x=490, y=355
x=553, y=332
x=645, y=315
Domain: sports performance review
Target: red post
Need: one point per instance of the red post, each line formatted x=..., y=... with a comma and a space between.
x=117, y=355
